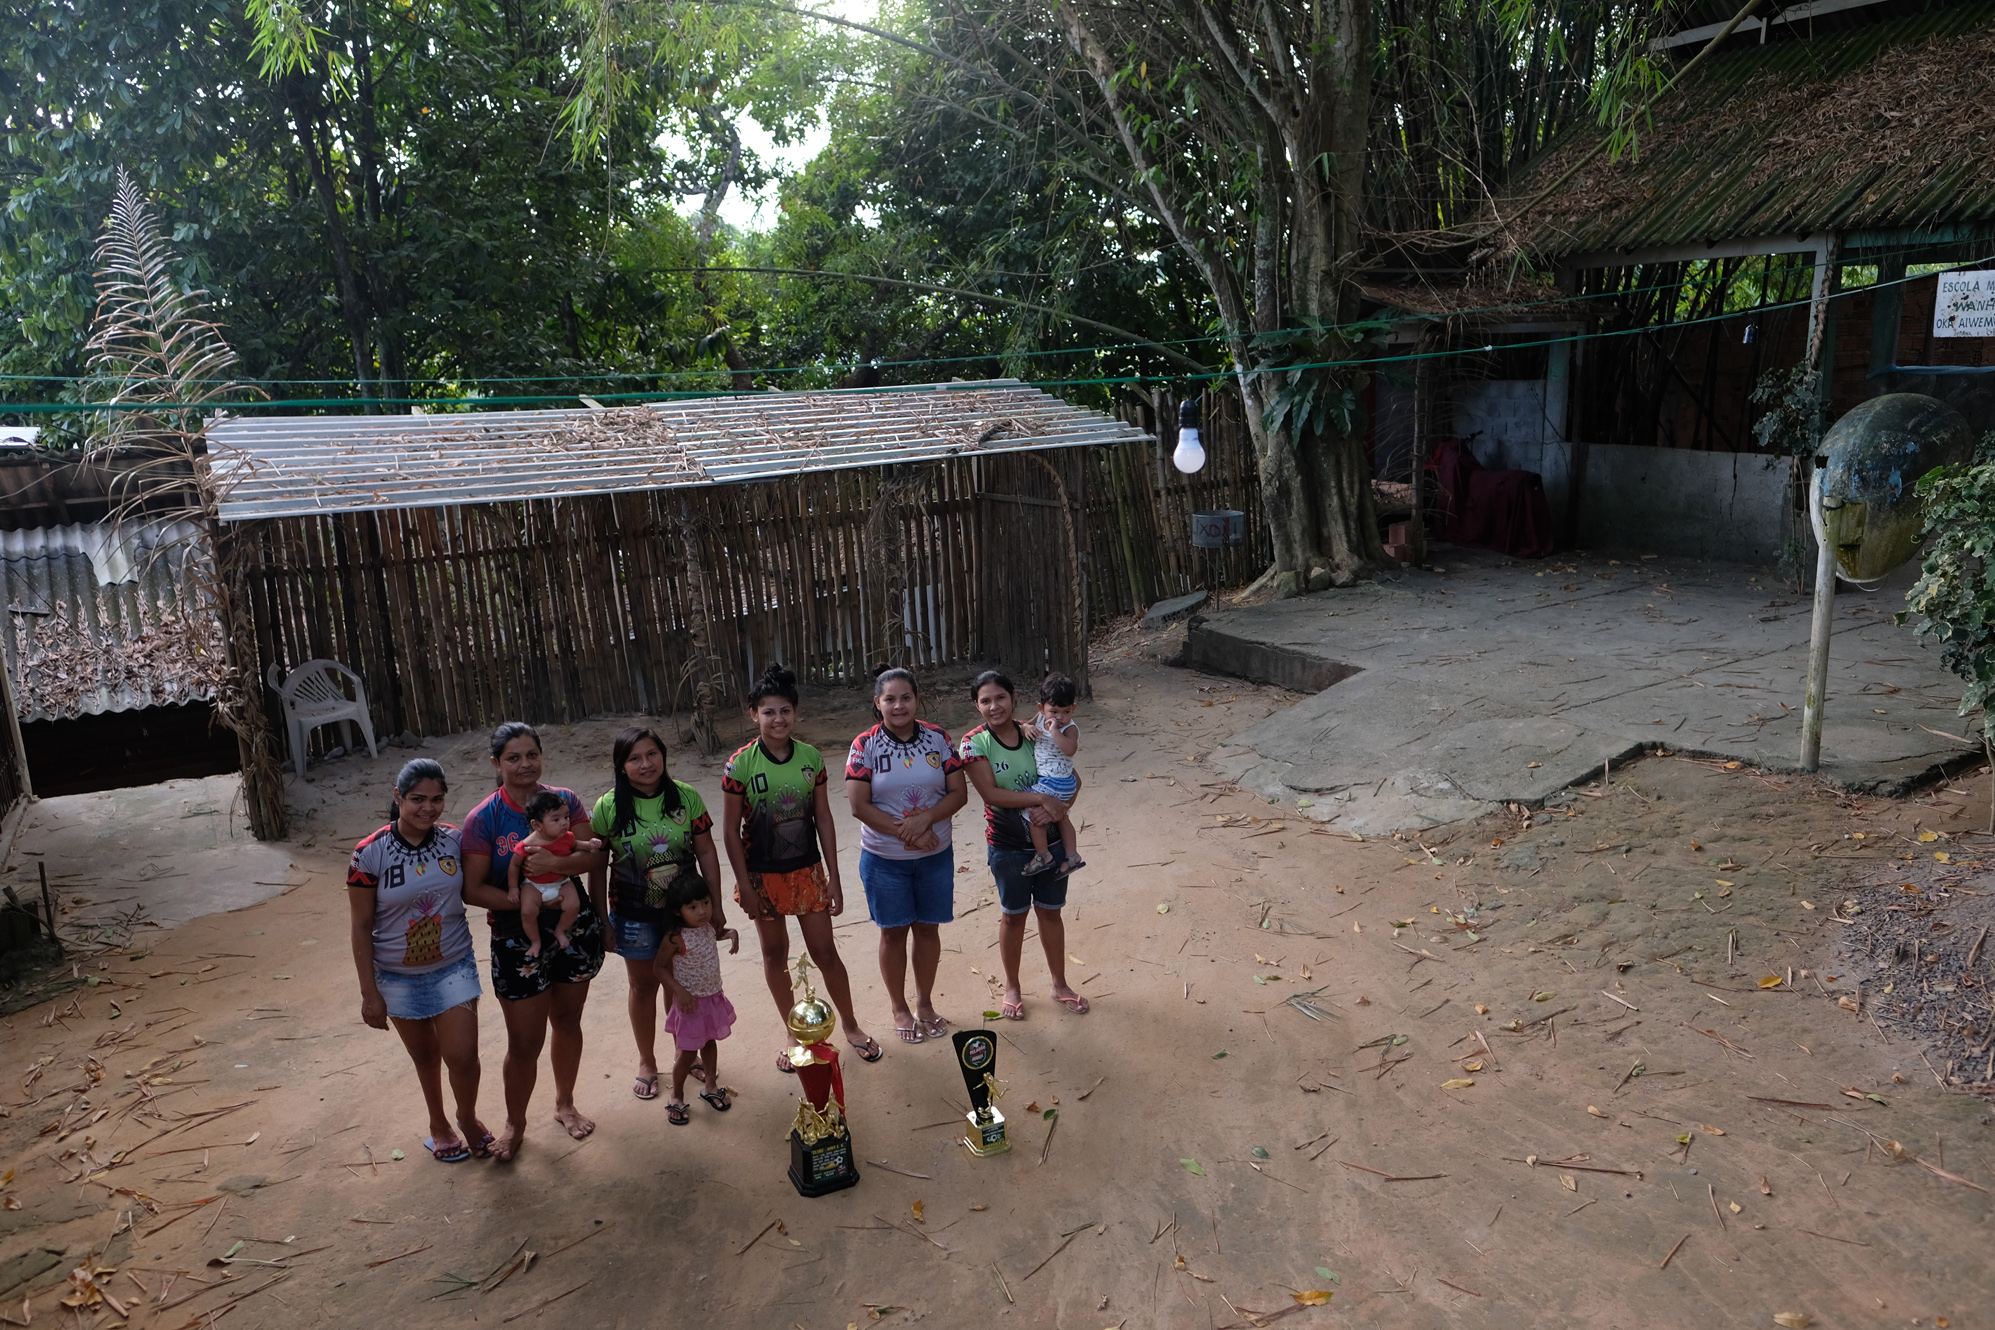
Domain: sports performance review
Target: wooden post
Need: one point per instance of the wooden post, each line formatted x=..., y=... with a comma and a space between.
x=1823, y=623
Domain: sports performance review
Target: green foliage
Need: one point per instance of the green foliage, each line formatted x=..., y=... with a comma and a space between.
x=421, y=145
x=1954, y=597
x=1313, y=400
x=1792, y=423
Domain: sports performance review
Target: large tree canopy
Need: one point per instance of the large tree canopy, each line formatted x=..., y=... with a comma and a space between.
x=492, y=199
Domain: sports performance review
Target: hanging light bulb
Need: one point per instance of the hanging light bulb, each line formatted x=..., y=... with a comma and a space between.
x=1189, y=455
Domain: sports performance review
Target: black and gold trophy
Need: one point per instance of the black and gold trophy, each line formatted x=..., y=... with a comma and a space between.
x=820, y=1139
x=976, y=1054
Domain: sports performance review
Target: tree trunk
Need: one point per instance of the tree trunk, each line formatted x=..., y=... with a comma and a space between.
x=352, y=302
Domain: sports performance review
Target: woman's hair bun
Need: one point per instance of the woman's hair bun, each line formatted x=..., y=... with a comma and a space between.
x=879, y=668
x=776, y=681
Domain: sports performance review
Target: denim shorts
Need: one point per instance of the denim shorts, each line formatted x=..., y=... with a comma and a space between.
x=636, y=939
x=900, y=892
x=1019, y=891
x=418, y=997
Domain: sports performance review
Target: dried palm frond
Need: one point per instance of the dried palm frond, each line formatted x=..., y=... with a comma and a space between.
x=166, y=363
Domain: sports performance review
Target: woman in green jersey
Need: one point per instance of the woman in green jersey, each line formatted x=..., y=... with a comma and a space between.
x=783, y=847
x=656, y=828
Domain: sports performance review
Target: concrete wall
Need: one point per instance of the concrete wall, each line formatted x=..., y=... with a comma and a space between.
x=1520, y=424
x=1674, y=501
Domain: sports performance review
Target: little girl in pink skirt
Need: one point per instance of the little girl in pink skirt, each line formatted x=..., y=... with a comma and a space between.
x=698, y=1014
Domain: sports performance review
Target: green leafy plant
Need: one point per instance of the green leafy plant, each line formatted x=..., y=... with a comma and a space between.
x=1954, y=598
x=1792, y=424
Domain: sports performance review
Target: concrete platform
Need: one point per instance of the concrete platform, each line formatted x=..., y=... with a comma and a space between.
x=1495, y=680
x=152, y=855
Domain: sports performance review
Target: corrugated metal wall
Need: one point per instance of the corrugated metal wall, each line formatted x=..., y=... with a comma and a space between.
x=101, y=618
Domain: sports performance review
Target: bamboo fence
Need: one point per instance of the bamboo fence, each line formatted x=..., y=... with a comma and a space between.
x=673, y=600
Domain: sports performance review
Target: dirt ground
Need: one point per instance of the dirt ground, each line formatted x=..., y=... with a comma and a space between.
x=1590, y=1063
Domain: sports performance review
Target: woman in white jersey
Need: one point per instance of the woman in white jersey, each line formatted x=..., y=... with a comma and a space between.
x=905, y=782
x=412, y=949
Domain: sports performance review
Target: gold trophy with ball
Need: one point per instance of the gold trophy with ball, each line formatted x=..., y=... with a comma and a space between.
x=820, y=1139
x=976, y=1055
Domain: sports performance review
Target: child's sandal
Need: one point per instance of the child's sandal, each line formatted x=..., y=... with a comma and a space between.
x=1039, y=864
x=719, y=1100
x=678, y=1114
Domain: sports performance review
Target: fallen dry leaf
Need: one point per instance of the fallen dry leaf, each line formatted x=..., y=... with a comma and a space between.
x=1736, y=1207
x=1569, y=1181
x=1459, y=1083
x=980, y=1206
x=1595, y=1111
x=1710, y=1130
x=1314, y=1297
x=1765, y=1187
x=915, y=1210
x=1793, y=1320
x=1472, y=1066
x=1481, y=1010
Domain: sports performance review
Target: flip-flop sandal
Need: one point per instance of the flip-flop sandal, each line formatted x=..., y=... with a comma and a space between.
x=1072, y=866
x=910, y=1034
x=783, y=1064
x=936, y=1028
x=455, y=1153
x=870, y=1051
x=678, y=1114
x=646, y=1084
x=719, y=1100
x=1076, y=1004
x=1012, y=1011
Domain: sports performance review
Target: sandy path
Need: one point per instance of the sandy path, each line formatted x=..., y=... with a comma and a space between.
x=1190, y=1054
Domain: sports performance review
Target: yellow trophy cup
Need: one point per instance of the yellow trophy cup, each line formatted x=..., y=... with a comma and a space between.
x=820, y=1140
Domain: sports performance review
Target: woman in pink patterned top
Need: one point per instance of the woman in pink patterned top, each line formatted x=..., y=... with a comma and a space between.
x=905, y=781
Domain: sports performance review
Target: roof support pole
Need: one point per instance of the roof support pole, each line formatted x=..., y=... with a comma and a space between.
x=1823, y=622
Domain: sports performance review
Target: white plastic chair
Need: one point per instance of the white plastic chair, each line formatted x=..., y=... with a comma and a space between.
x=313, y=696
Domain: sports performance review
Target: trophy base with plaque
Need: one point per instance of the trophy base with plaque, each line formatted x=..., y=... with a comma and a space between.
x=987, y=1134
x=822, y=1167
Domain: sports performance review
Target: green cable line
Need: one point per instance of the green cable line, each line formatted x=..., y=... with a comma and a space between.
x=835, y=362
x=58, y=408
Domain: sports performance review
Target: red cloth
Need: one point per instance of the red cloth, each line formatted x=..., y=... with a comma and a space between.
x=822, y=1081
x=1504, y=511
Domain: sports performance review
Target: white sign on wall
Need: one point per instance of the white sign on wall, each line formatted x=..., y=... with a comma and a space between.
x=1966, y=305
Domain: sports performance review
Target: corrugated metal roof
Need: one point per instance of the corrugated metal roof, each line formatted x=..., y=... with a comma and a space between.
x=289, y=466
x=104, y=618
x=1885, y=126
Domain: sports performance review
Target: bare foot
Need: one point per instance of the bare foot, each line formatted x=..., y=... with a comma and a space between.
x=507, y=1143
x=560, y=939
x=477, y=1138
x=577, y=1126
x=533, y=951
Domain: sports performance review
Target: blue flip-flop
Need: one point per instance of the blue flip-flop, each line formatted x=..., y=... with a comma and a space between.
x=455, y=1154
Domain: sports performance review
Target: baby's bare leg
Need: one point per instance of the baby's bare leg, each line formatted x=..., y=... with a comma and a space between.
x=1069, y=838
x=530, y=916
x=571, y=905
x=1038, y=831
